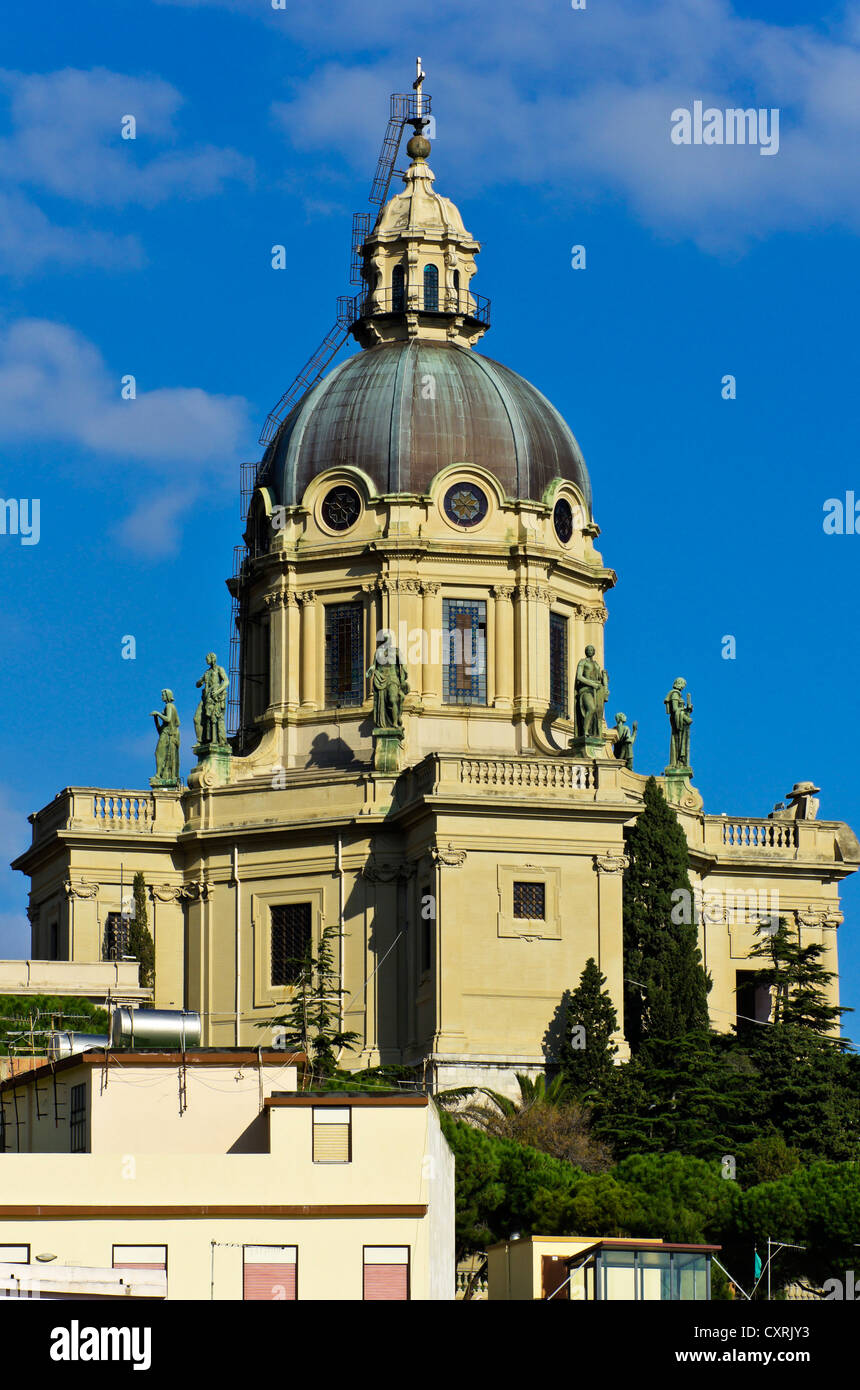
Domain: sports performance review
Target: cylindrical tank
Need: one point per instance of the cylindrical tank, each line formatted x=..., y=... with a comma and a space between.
x=66, y=1044
x=167, y=1028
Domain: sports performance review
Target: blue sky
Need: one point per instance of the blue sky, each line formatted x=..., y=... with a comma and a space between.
x=258, y=126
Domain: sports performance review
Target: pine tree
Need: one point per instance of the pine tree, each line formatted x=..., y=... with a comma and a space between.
x=665, y=985
x=140, y=943
x=311, y=1020
x=799, y=984
x=587, y=1052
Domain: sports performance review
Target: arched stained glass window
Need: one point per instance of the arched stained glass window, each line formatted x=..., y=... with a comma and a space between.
x=431, y=288
x=398, y=290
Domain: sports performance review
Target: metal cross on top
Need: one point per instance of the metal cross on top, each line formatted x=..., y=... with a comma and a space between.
x=418, y=84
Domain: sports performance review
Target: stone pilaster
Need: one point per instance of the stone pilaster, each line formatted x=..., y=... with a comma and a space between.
x=310, y=649
x=504, y=646
x=431, y=622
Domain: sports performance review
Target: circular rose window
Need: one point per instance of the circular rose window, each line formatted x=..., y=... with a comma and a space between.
x=465, y=504
x=341, y=508
x=562, y=520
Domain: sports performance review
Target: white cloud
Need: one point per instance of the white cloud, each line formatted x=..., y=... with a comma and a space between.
x=66, y=139
x=55, y=385
x=579, y=103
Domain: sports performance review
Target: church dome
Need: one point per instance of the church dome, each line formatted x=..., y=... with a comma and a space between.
x=403, y=410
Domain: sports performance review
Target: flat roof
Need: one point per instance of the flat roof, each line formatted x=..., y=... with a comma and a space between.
x=344, y=1099
x=592, y=1242
x=139, y=1057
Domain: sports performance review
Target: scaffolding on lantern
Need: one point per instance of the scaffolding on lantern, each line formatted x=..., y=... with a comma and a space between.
x=409, y=108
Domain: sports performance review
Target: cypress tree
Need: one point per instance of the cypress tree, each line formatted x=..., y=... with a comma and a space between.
x=665, y=985
x=587, y=1050
x=312, y=1016
x=140, y=942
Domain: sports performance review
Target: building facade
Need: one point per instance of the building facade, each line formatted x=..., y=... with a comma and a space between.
x=212, y=1170
x=423, y=500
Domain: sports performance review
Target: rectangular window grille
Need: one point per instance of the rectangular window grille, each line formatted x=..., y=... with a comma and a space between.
x=269, y=1273
x=116, y=936
x=78, y=1119
x=332, y=1134
x=291, y=941
x=386, y=1273
x=464, y=654
x=344, y=654
x=530, y=901
x=558, y=697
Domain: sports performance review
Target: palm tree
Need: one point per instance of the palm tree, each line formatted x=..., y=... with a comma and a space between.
x=543, y=1117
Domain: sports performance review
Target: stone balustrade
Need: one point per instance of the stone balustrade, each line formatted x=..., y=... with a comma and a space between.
x=121, y=808
x=111, y=810
x=528, y=773
x=759, y=834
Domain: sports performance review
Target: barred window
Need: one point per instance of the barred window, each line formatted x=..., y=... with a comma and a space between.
x=530, y=901
x=431, y=288
x=558, y=683
x=344, y=684
x=78, y=1119
x=398, y=290
x=291, y=941
x=464, y=655
x=116, y=936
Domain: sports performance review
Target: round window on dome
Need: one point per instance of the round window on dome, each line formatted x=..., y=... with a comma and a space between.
x=465, y=504
x=562, y=520
x=341, y=508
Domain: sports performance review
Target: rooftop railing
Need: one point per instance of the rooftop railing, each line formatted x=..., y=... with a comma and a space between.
x=424, y=301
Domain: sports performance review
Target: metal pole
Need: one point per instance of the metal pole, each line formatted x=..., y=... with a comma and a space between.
x=238, y=940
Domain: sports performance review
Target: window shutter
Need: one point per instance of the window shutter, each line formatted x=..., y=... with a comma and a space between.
x=386, y=1273
x=332, y=1135
x=140, y=1257
x=269, y=1273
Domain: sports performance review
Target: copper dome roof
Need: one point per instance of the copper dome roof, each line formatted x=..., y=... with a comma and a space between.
x=404, y=410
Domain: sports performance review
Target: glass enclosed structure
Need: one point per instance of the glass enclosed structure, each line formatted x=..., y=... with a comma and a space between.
x=667, y=1273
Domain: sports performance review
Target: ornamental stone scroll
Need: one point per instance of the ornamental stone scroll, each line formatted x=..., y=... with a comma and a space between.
x=611, y=863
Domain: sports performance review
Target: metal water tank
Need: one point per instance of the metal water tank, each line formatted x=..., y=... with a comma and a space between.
x=67, y=1044
x=167, y=1028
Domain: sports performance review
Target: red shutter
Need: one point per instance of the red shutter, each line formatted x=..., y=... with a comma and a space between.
x=390, y=1282
x=267, y=1282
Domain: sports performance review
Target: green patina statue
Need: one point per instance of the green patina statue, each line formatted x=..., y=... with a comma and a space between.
x=389, y=682
x=680, y=710
x=591, y=691
x=625, y=737
x=210, y=723
x=167, y=748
